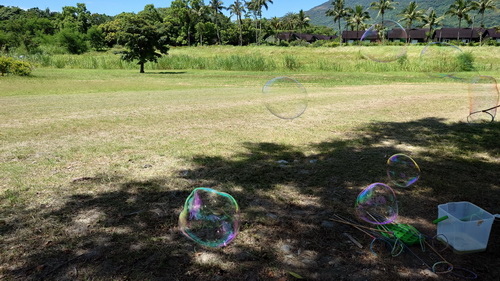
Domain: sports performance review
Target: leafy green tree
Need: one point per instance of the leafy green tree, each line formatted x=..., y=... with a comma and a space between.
x=76, y=18
x=482, y=6
x=144, y=40
x=186, y=14
x=460, y=9
x=237, y=9
x=72, y=40
x=382, y=6
x=96, y=38
x=256, y=6
x=411, y=13
x=112, y=28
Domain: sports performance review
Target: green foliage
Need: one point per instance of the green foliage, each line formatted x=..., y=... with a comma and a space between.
x=16, y=67
x=5, y=63
x=20, y=68
x=144, y=40
x=466, y=61
x=96, y=38
x=291, y=63
x=73, y=41
x=301, y=43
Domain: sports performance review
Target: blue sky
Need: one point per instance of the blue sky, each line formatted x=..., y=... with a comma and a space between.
x=112, y=7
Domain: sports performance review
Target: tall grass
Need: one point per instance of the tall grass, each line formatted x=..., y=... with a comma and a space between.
x=342, y=59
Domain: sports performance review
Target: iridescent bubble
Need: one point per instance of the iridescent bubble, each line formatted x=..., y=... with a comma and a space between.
x=210, y=217
x=444, y=60
x=483, y=99
x=285, y=97
x=402, y=170
x=377, y=204
x=381, y=33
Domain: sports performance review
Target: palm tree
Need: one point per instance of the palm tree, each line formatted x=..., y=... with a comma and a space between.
x=199, y=14
x=382, y=6
x=430, y=20
x=358, y=17
x=258, y=4
x=216, y=6
x=238, y=9
x=290, y=21
x=410, y=14
x=460, y=9
x=275, y=24
x=481, y=6
x=338, y=13
x=302, y=20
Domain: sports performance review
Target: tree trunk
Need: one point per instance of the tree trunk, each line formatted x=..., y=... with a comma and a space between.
x=340, y=34
x=241, y=31
x=142, y=66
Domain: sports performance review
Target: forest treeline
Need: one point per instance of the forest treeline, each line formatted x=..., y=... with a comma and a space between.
x=185, y=23
x=192, y=22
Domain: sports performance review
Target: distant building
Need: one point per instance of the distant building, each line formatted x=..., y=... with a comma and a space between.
x=350, y=36
x=493, y=34
x=465, y=35
x=417, y=35
x=292, y=36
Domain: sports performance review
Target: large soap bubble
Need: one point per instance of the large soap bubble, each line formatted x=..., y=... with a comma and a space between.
x=377, y=204
x=381, y=33
x=402, y=170
x=483, y=99
x=444, y=60
x=285, y=97
x=210, y=217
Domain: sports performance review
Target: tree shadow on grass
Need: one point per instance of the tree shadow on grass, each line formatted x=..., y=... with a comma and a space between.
x=166, y=72
x=287, y=196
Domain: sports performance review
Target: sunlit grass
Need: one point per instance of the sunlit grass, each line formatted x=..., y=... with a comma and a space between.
x=269, y=58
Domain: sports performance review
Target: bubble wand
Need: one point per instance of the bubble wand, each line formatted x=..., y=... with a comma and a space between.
x=483, y=111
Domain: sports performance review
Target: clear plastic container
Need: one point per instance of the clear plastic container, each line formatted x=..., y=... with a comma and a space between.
x=467, y=228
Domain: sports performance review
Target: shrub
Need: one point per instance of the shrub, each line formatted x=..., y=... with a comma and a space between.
x=16, y=67
x=301, y=43
x=20, y=68
x=5, y=64
x=332, y=44
x=466, y=61
x=291, y=63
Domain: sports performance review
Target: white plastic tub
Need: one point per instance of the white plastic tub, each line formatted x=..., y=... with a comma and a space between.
x=467, y=228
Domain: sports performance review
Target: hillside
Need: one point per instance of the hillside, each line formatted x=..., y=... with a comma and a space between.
x=317, y=14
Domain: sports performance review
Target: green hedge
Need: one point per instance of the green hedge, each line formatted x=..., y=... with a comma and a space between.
x=16, y=67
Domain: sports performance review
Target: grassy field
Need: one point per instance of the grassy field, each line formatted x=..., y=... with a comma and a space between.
x=95, y=166
x=262, y=58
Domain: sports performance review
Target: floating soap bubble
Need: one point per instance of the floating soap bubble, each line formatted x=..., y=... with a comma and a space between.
x=377, y=204
x=285, y=97
x=210, y=217
x=444, y=60
x=483, y=99
x=402, y=170
x=381, y=33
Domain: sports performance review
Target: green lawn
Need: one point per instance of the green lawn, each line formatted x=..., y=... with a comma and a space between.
x=95, y=166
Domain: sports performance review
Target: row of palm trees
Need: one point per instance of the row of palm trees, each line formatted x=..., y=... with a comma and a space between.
x=355, y=17
x=239, y=8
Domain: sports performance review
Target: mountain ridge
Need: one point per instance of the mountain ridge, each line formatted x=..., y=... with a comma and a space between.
x=318, y=17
